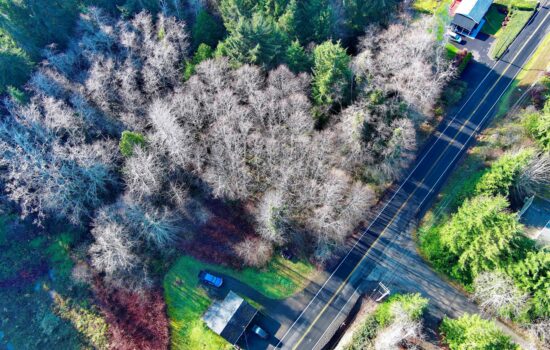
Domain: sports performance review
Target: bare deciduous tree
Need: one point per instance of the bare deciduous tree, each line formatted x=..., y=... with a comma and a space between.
x=541, y=330
x=254, y=252
x=400, y=333
x=535, y=178
x=112, y=250
x=498, y=295
x=45, y=176
x=405, y=58
x=144, y=175
x=159, y=226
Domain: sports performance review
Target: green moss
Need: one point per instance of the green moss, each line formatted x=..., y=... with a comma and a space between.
x=187, y=301
x=128, y=141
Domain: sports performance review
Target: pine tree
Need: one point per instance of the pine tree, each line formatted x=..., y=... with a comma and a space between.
x=331, y=74
x=297, y=59
x=482, y=235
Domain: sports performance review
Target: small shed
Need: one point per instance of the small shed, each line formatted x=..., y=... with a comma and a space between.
x=230, y=317
x=469, y=14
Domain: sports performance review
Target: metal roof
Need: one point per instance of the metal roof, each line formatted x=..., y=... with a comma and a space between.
x=230, y=317
x=473, y=9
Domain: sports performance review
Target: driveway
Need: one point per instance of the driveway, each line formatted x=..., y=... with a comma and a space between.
x=479, y=47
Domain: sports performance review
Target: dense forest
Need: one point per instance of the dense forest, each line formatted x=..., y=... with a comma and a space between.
x=227, y=130
x=269, y=137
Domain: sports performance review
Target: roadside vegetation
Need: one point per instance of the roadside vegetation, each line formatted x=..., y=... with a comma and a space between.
x=474, y=333
x=166, y=137
x=516, y=18
x=396, y=323
x=473, y=234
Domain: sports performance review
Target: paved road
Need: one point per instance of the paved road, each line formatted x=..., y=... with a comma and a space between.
x=313, y=327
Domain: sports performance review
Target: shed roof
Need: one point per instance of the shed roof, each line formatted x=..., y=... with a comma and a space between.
x=474, y=9
x=230, y=317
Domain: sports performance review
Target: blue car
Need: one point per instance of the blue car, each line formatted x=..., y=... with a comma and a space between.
x=208, y=278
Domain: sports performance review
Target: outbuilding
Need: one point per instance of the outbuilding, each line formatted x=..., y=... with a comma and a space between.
x=230, y=317
x=468, y=18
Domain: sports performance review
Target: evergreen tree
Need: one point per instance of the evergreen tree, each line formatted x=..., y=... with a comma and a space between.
x=207, y=30
x=297, y=59
x=287, y=21
x=471, y=332
x=331, y=74
x=360, y=13
x=482, y=235
x=203, y=53
x=233, y=11
x=15, y=65
x=256, y=41
x=35, y=24
x=532, y=274
x=314, y=19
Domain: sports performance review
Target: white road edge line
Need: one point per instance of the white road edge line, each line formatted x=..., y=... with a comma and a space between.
x=389, y=201
x=446, y=169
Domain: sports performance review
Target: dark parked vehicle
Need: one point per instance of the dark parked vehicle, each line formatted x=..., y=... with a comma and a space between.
x=287, y=254
x=208, y=278
x=260, y=332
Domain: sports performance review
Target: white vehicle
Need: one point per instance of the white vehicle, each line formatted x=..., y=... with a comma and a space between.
x=260, y=332
x=454, y=37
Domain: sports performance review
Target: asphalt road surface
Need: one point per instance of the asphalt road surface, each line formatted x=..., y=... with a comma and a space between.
x=413, y=195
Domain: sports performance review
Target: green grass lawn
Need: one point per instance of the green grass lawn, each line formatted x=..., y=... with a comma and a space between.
x=531, y=73
x=427, y=6
x=451, y=50
x=506, y=35
x=187, y=301
x=440, y=10
x=520, y=4
x=494, y=20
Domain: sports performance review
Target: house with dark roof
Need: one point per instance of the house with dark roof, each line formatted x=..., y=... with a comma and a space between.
x=230, y=317
x=469, y=16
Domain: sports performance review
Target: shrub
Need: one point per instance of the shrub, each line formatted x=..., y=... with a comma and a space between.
x=393, y=321
x=128, y=141
x=363, y=337
x=136, y=320
x=500, y=177
x=454, y=92
x=470, y=332
x=412, y=304
x=88, y=323
x=538, y=126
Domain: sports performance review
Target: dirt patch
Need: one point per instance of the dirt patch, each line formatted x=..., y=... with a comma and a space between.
x=215, y=240
x=136, y=320
x=25, y=276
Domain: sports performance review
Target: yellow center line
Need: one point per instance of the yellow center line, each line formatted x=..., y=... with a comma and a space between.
x=342, y=285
